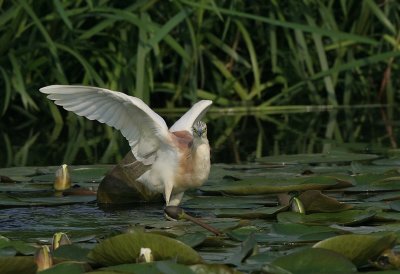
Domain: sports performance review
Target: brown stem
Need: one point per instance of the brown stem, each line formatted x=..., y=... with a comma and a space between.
x=178, y=213
x=200, y=223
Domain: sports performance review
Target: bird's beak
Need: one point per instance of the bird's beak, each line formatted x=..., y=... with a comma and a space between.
x=200, y=132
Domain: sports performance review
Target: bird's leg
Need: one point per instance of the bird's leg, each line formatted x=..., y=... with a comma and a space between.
x=167, y=193
x=175, y=199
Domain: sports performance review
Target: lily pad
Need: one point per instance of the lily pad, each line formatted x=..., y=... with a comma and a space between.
x=192, y=239
x=212, y=202
x=11, y=265
x=149, y=268
x=19, y=247
x=213, y=269
x=315, y=201
x=261, y=212
x=313, y=260
x=336, y=157
x=349, y=217
x=358, y=248
x=15, y=201
x=67, y=268
x=125, y=248
x=256, y=186
x=71, y=252
x=375, y=182
x=247, y=247
x=395, y=205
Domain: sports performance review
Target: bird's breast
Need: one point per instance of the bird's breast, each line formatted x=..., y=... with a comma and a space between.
x=193, y=169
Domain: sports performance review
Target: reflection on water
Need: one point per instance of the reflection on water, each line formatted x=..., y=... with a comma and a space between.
x=31, y=223
x=233, y=137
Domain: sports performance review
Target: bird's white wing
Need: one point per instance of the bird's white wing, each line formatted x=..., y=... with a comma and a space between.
x=142, y=127
x=191, y=116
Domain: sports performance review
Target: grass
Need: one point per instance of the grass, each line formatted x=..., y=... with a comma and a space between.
x=173, y=53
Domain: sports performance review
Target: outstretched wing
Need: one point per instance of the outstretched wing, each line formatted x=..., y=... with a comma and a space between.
x=191, y=116
x=143, y=128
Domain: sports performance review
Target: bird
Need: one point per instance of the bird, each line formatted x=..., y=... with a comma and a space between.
x=178, y=157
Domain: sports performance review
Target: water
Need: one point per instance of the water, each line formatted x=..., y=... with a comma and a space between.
x=34, y=223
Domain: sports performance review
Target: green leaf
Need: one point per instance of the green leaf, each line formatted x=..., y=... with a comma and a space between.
x=317, y=158
x=246, y=249
x=261, y=212
x=162, y=267
x=349, y=217
x=71, y=252
x=125, y=248
x=192, y=239
x=314, y=260
x=10, y=265
x=66, y=268
x=213, y=269
x=358, y=248
x=253, y=186
x=19, y=246
x=296, y=26
x=315, y=201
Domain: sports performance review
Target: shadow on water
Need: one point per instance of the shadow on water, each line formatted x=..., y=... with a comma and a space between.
x=234, y=136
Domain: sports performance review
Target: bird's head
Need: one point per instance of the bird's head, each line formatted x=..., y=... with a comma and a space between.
x=199, y=129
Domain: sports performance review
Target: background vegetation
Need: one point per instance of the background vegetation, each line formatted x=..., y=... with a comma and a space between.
x=238, y=53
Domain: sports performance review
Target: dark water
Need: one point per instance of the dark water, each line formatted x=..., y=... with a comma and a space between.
x=80, y=220
x=234, y=137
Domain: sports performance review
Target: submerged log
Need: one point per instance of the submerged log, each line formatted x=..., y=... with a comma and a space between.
x=119, y=186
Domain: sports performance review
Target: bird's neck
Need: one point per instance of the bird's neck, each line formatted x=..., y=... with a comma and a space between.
x=198, y=141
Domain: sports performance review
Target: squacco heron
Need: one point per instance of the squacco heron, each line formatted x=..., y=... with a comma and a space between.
x=179, y=156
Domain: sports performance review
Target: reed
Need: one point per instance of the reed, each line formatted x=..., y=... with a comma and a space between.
x=172, y=53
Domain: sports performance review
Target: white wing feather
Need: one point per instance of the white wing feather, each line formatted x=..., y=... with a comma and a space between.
x=191, y=116
x=144, y=129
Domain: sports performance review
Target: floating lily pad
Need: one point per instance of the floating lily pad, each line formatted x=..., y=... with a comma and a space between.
x=336, y=157
x=125, y=248
x=67, y=268
x=71, y=252
x=10, y=265
x=18, y=171
x=192, y=239
x=247, y=247
x=14, y=201
x=358, y=248
x=296, y=233
x=375, y=182
x=24, y=187
x=205, y=202
x=89, y=174
x=261, y=212
x=315, y=201
x=19, y=247
x=242, y=233
x=213, y=269
x=149, y=268
x=313, y=260
x=395, y=195
x=395, y=205
x=267, y=185
x=349, y=217
x=387, y=216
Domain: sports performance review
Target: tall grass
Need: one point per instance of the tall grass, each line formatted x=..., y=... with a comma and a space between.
x=172, y=53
